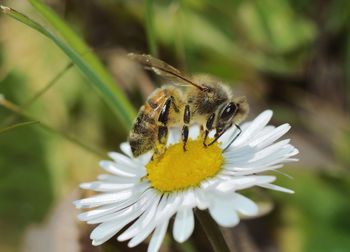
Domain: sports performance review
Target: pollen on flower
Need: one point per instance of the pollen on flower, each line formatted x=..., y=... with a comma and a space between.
x=178, y=169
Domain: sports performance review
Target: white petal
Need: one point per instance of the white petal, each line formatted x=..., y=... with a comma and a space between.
x=172, y=205
x=259, y=123
x=86, y=216
x=145, y=158
x=201, y=201
x=158, y=237
x=117, y=179
x=194, y=132
x=107, y=209
x=270, y=150
x=245, y=205
x=240, y=151
x=276, y=188
x=228, y=136
x=126, y=164
x=102, y=199
x=110, y=198
x=223, y=212
x=279, y=156
x=125, y=147
x=173, y=136
x=139, y=206
x=119, y=170
x=266, y=130
x=183, y=225
x=137, y=239
x=271, y=137
x=272, y=155
x=239, y=183
x=142, y=235
x=250, y=171
x=141, y=223
x=105, y=187
x=189, y=199
x=106, y=230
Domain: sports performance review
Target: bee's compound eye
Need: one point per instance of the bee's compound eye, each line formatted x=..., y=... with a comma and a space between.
x=228, y=111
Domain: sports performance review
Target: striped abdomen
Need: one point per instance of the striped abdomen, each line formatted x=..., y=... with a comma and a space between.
x=143, y=135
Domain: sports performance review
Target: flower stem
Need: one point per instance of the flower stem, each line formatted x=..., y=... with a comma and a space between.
x=212, y=231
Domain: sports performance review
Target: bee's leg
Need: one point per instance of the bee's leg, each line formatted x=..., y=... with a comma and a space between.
x=186, y=120
x=218, y=135
x=208, y=128
x=176, y=108
x=234, y=138
x=162, y=127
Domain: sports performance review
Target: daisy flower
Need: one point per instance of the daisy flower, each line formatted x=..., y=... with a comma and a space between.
x=145, y=193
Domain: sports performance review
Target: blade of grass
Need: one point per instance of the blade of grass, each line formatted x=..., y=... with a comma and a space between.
x=17, y=125
x=150, y=31
x=11, y=118
x=16, y=109
x=107, y=89
x=74, y=41
x=86, y=53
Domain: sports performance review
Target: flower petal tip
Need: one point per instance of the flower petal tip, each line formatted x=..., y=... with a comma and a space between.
x=77, y=204
x=268, y=113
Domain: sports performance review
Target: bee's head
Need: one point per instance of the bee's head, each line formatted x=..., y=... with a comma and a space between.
x=232, y=112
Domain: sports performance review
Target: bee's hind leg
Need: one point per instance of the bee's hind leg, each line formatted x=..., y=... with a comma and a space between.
x=186, y=120
x=208, y=128
x=163, y=128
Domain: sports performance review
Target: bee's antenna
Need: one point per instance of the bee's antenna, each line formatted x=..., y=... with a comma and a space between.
x=236, y=136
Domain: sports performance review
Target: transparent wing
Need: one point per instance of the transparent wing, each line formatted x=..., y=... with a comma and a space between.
x=163, y=69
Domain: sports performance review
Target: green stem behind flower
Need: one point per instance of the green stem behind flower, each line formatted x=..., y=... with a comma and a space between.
x=212, y=231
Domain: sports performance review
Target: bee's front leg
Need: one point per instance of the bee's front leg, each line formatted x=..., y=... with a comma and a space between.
x=186, y=120
x=208, y=128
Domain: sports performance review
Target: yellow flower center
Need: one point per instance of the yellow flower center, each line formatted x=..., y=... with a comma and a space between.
x=178, y=169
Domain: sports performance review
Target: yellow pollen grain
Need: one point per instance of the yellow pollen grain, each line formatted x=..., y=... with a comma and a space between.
x=178, y=170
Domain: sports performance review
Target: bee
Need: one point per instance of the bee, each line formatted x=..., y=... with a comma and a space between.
x=210, y=104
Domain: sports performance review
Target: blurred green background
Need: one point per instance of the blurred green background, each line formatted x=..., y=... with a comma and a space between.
x=292, y=56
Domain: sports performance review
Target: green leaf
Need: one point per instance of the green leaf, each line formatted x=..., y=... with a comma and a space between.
x=83, y=58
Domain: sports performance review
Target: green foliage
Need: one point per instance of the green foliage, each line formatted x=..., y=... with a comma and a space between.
x=89, y=65
x=26, y=191
x=321, y=204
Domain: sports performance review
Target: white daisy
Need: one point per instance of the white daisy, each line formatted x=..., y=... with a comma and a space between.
x=148, y=193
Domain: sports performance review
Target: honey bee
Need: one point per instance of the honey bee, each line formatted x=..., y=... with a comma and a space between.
x=210, y=104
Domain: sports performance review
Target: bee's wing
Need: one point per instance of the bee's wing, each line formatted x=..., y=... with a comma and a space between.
x=163, y=69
